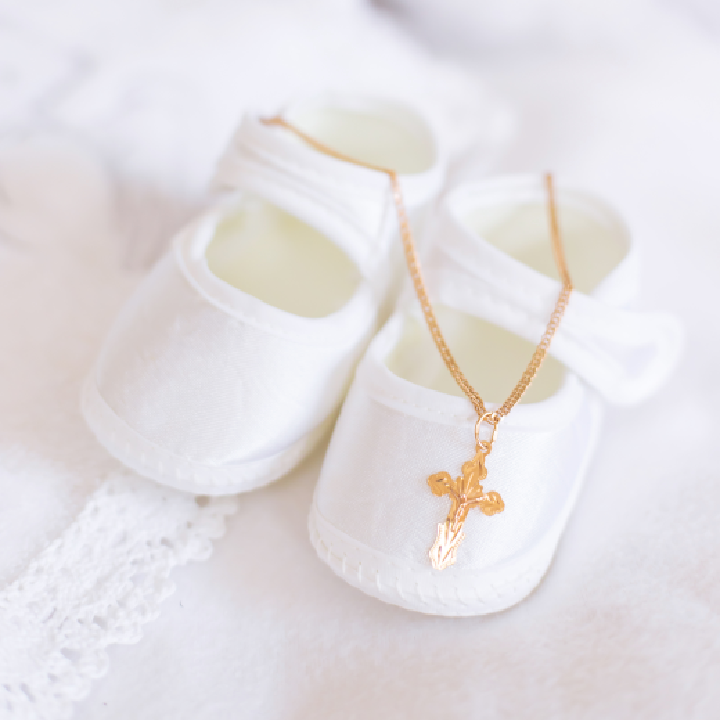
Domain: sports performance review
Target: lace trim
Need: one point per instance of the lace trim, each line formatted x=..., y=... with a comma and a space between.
x=95, y=586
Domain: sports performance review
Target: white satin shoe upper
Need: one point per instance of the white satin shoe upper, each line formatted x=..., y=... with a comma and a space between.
x=489, y=271
x=230, y=360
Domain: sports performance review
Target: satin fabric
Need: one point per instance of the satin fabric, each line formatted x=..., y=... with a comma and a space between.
x=624, y=355
x=374, y=517
x=204, y=387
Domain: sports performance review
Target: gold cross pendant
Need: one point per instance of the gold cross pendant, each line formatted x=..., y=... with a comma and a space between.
x=465, y=493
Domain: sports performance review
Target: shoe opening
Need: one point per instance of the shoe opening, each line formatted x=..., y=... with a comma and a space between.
x=284, y=262
x=594, y=244
x=491, y=358
x=386, y=136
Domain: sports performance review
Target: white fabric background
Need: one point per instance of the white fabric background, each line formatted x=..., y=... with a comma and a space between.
x=626, y=624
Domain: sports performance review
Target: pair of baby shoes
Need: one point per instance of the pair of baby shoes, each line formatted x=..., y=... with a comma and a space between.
x=233, y=357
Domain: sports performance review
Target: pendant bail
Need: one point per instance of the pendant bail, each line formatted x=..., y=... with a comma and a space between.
x=491, y=418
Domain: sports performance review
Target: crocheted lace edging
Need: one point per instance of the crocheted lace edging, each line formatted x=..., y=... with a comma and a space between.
x=96, y=585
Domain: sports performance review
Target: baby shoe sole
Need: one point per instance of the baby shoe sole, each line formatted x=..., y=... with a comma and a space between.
x=155, y=463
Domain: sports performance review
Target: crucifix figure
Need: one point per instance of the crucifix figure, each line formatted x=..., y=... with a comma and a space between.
x=465, y=493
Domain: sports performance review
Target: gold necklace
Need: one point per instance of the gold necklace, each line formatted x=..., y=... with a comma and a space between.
x=466, y=491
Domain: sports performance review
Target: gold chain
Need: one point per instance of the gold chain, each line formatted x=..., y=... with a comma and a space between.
x=413, y=264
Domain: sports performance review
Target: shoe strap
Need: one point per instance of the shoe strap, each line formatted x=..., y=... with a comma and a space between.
x=624, y=355
x=350, y=204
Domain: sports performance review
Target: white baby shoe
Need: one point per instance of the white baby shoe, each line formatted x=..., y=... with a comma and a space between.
x=491, y=276
x=229, y=362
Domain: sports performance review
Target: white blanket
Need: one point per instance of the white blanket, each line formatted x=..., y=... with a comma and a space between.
x=624, y=626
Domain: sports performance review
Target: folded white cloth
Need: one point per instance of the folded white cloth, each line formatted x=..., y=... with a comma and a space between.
x=86, y=550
